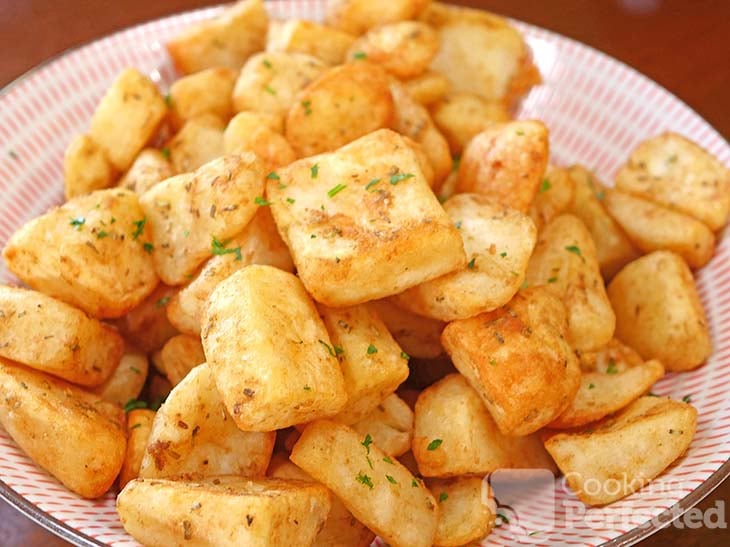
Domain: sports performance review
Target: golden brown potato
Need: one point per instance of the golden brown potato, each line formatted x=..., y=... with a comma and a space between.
x=418, y=336
x=250, y=131
x=225, y=41
x=518, y=360
x=455, y=435
x=193, y=436
x=603, y=393
x=179, y=356
x=609, y=461
x=149, y=167
x=673, y=171
x=341, y=528
x=614, y=356
x=462, y=116
x=413, y=120
x=553, y=198
x=358, y=16
x=53, y=337
x=376, y=489
x=193, y=216
x=250, y=313
x=205, y=92
x=139, y=424
x=72, y=434
x=465, y=515
x=127, y=117
x=85, y=168
x=127, y=380
x=652, y=227
x=506, y=162
x=345, y=103
x=93, y=252
x=362, y=223
x=427, y=88
x=198, y=142
x=226, y=511
x=259, y=242
x=659, y=313
x=269, y=82
x=146, y=327
x=565, y=262
x=498, y=242
x=498, y=64
x=299, y=36
x=613, y=248
x=371, y=361
x=404, y=48
x=390, y=425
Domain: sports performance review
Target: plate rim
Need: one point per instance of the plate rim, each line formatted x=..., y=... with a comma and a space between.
x=76, y=537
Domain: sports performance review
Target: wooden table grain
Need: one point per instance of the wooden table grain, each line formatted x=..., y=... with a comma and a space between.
x=683, y=45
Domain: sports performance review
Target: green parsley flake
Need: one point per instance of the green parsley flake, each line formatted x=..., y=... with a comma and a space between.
x=591, y=386
x=414, y=483
x=552, y=279
x=472, y=263
x=601, y=195
x=218, y=248
x=574, y=249
x=307, y=107
x=360, y=55
x=434, y=444
x=168, y=100
x=395, y=179
x=270, y=90
x=314, y=170
x=162, y=302
x=457, y=225
x=405, y=356
x=135, y=426
x=391, y=480
x=503, y=254
x=272, y=176
x=307, y=388
x=101, y=234
x=503, y=518
x=148, y=247
x=134, y=403
x=372, y=349
x=332, y=192
x=455, y=163
x=687, y=399
x=493, y=361
x=520, y=132
x=611, y=369
x=166, y=153
x=443, y=496
x=77, y=222
x=261, y=202
x=364, y=479
x=372, y=183
x=367, y=442
x=545, y=186
x=139, y=227
x=266, y=63
x=386, y=459
x=290, y=200
x=135, y=370
x=333, y=350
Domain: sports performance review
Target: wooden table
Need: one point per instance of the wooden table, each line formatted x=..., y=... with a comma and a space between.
x=682, y=45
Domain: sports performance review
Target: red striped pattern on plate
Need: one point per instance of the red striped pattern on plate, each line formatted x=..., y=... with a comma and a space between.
x=597, y=110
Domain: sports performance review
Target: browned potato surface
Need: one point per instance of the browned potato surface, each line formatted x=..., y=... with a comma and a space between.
x=139, y=424
x=357, y=16
x=127, y=380
x=146, y=327
x=418, y=336
x=465, y=515
x=205, y=92
x=85, y=168
x=149, y=167
x=427, y=88
x=300, y=36
x=251, y=131
x=180, y=355
x=554, y=197
x=199, y=141
x=390, y=425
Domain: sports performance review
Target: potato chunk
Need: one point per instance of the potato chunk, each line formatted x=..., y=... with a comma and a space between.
x=199, y=141
x=481, y=53
x=565, y=261
x=139, y=425
x=180, y=355
x=554, y=197
x=127, y=117
x=194, y=215
x=614, y=459
x=462, y=116
x=659, y=313
x=465, y=516
x=225, y=41
x=205, y=92
x=362, y=223
x=127, y=380
x=371, y=361
x=193, y=436
x=377, y=490
x=251, y=131
x=427, y=88
x=146, y=327
x=85, y=168
x=358, y=16
x=225, y=511
x=259, y=243
x=72, y=434
x=149, y=167
x=269, y=351
x=673, y=171
x=613, y=248
x=518, y=360
x=345, y=103
x=390, y=425
x=455, y=435
x=51, y=336
x=93, y=252
x=298, y=36
x=498, y=242
x=652, y=227
x=418, y=336
x=269, y=82
x=506, y=162
x=404, y=49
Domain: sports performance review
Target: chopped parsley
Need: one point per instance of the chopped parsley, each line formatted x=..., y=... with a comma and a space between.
x=307, y=388
x=552, y=280
x=434, y=444
x=591, y=386
x=162, y=302
x=414, y=483
x=405, y=356
x=503, y=518
x=503, y=254
x=391, y=480
x=395, y=179
x=307, y=107
x=266, y=63
x=218, y=248
x=386, y=459
x=101, y=234
x=133, y=404
x=272, y=176
x=367, y=442
x=455, y=163
x=443, y=496
x=472, y=263
x=457, y=225
x=372, y=183
x=332, y=192
x=545, y=186
x=687, y=399
x=520, y=132
x=135, y=370
x=166, y=152
x=493, y=361
x=611, y=369
x=270, y=90
x=148, y=247
x=314, y=170
x=360, y=55
x=77, y=222
x=364, y=479
x=574, y=249
x=372, y=349
x=139, y=227
x=135, y=426
x=290, y=200
x=168, y=100
x=262, y=202
x=334, y=350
